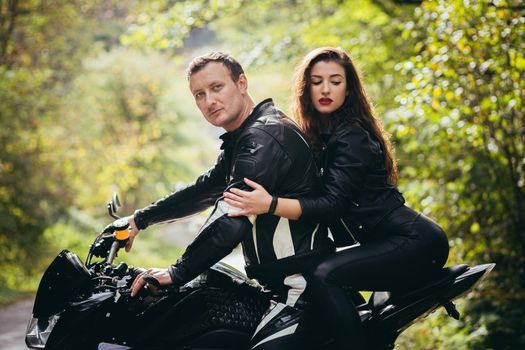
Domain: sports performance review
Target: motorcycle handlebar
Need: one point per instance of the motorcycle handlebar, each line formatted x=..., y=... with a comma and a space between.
x=109, y=241
x=113, y=252
x=113, y=237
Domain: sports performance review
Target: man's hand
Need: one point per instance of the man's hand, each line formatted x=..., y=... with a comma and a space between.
x=161, y=275
x=133, y=232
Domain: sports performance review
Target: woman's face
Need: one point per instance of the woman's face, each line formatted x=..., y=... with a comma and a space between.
x=327, y=86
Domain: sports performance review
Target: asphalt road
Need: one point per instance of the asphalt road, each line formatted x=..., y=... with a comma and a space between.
x=13, y=322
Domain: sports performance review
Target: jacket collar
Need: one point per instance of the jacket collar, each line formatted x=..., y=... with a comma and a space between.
x=229, y=137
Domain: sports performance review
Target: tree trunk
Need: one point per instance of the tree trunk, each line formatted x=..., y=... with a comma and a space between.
x=8, y=13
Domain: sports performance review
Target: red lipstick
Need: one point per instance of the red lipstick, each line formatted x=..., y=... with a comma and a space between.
x=325, y=101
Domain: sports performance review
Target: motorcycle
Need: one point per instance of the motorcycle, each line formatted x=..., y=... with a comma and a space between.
x=88, y=305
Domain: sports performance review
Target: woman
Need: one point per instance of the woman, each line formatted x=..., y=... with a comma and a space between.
x=360, y=202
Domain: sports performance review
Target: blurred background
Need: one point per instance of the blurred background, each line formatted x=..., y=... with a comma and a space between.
x=94, y=99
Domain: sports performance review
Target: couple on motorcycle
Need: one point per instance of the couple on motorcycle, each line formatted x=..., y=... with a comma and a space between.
x=291, y=193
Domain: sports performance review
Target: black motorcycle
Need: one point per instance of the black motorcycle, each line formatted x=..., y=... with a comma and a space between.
x=88, y=305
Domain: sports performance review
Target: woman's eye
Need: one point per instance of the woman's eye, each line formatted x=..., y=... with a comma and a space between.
x=336, y=83
x=316, y=82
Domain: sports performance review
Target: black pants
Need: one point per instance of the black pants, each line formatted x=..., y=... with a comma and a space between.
x=407, y=247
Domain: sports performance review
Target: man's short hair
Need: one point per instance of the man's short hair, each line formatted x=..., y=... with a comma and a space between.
x=228, y=61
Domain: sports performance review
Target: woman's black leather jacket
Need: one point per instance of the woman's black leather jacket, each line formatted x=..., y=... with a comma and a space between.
x=357, y=192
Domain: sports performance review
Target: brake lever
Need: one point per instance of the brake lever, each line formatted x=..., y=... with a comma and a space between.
x=144, y=291
x=151, y=280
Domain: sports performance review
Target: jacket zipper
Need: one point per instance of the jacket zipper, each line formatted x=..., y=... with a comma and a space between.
x=348, y=230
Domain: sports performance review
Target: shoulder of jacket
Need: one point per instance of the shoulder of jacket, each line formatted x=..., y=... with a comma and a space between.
x=271, y=115
x=351, y=128
x=265, y=125
x=256, y=134
x=262, y=135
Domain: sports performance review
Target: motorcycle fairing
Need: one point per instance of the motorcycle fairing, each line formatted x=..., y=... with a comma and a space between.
x=38, y=331
x=396, y=313
x=65, y=279
x=57, y=330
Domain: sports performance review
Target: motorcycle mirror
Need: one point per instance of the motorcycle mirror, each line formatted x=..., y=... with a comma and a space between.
x=115, y=202
x=113, y=206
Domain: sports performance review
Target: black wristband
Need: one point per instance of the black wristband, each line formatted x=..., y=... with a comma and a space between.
x=273, y=205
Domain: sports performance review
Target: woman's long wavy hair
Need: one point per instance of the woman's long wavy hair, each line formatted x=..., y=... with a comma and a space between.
x=357, y=104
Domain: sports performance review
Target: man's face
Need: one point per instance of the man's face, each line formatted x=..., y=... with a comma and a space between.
x=219, y=98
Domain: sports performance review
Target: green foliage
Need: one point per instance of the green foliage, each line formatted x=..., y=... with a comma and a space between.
x=121, y=128
x=29, y=197
x=264, y=32
x=151, y=250
x=461, y=141
x=23, y=267
x=441, y=332
x=80, y=119
x=42, y=43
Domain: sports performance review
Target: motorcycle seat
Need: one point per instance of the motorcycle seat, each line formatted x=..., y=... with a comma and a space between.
x=380, y=299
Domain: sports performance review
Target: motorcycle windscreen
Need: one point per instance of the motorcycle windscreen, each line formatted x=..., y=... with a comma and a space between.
x=65, y=279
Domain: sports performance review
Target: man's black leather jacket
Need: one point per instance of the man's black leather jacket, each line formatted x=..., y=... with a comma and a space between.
x=357, y=193
x=269, y=149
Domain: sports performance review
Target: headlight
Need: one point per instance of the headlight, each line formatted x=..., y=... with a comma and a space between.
x=39, y=330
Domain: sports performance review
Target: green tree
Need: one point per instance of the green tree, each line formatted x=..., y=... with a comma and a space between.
x=81, y=117
x=34, y=64
x=269, y=31
x=42, y=44
x=125, y=124
x=461, y=140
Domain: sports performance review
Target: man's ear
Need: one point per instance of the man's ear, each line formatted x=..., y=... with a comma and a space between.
x=242, y=83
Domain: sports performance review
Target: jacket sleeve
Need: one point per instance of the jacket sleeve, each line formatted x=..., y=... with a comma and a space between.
x=344, y=177
x=190, y=200
x=221, y=233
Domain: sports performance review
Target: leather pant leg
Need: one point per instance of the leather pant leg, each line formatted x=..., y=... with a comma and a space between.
x=409, y=245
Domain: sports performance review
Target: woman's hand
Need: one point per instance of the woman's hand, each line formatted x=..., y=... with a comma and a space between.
x=133, y=232
x=251, y=203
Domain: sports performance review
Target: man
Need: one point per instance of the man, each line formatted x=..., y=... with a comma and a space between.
x=261, y=144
